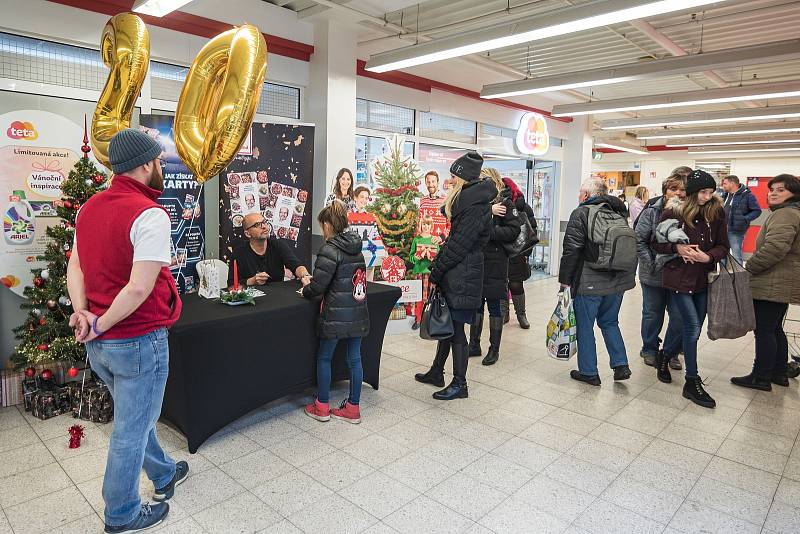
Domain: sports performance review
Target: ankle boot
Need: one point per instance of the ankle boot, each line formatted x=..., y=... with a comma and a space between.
x=693, y=390
x=495, y=334
x=458, y=387
x=662, y=367
x=435, y=375
x=475, y=336
x=519, y=309
x=504, y=307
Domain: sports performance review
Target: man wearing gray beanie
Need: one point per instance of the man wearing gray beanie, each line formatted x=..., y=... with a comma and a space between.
x=125, y=299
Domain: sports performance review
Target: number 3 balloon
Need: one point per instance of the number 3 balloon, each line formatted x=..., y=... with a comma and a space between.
x=219, y=99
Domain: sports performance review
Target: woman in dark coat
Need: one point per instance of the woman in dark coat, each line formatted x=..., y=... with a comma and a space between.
x=519, y=267
x=505, y=228
x=458, y=268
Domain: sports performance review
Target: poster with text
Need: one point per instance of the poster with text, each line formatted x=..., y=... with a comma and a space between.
x=183, y=200
x=273, y=177
x=37, y=151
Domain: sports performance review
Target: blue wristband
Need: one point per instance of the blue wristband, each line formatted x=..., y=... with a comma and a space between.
x=97, y=332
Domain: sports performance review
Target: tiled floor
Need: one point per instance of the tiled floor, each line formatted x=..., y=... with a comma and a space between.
x=530, y=451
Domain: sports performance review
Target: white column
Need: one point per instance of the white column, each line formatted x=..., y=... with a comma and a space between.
x=331, y=104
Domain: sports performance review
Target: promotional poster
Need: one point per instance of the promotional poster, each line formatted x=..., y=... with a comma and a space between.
x=272, y=175
x=183, y=201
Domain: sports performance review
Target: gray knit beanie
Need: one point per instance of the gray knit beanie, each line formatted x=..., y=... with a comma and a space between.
x=131, y=148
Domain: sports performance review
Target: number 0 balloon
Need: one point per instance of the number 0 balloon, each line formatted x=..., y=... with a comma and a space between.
x=219, y=99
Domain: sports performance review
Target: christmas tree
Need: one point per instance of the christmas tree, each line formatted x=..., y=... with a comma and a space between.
x=45, y=335
x=393, y=205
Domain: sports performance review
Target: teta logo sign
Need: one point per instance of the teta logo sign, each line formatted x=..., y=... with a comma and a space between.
x=532, y=136
x=22, y=130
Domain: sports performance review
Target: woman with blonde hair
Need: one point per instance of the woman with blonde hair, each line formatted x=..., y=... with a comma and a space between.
x=638, y=203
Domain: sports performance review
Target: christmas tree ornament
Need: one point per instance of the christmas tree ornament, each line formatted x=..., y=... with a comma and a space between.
x=45, y=274
x=52, y=305
x=37, y=312
x=68, y=204
x=66, y=246
x=77, y=206
x=88, y=182
x=42, y=321
x=31, y=328
x=38, y=281
x=64, y=301
x=30, y=372
x=72, y=372
x=99, y=179
x=43, y=347
x=68, y=254
x=386, y=208
x=76, y=432
x=402, y=209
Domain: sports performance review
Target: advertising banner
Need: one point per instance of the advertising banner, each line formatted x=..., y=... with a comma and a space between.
x=37, y=151
x=183, y=200
x=272, y=175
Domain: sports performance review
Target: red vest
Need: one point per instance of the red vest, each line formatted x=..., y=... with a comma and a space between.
x=103, y=231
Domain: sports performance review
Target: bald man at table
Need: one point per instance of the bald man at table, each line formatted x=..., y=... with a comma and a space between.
x=263, y=258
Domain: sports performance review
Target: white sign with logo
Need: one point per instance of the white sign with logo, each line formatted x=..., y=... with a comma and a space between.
x=533, y=138
x=412, y=290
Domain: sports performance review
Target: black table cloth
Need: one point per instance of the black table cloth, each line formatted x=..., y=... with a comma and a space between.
x=225, y=361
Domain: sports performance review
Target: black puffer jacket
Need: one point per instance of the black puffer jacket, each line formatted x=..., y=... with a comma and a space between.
x=342, y=316
x=519, y=267
x=495, y=259
x=458, y=269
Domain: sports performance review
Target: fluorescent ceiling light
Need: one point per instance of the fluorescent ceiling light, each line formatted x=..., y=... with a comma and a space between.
x=712, y=166
x=659, y=68
x=777, y=128
x=691, y=98
x=621, y=147
x=158, y=8
x=752, y=114
x=739, y=149
x=551, y=24
x=691, y=142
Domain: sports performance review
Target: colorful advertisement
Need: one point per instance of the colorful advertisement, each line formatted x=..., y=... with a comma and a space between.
x=274, y=177
x=183, y=200
x=37, y=151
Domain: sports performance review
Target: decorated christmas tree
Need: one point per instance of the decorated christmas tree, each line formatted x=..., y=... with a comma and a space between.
x=393, y=206
x=45, y=335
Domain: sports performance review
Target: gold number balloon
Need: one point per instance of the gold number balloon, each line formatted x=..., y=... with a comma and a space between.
x=125, y=47
x=219, y=99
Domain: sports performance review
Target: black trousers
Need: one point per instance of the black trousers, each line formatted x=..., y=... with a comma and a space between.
x=772, y=348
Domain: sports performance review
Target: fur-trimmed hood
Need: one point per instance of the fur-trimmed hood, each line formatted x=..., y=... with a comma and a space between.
x=674, y=204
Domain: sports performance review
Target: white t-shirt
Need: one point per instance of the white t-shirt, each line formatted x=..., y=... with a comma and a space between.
x=150, y=236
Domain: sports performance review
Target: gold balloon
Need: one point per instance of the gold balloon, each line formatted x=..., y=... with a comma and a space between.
x=125, y=47
x=219, y=99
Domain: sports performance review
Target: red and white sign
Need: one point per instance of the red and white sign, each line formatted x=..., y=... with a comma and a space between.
x=412, y=290
x=393, y=269
x=532, y=136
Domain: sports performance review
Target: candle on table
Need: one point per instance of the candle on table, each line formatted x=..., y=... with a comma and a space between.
x=235, y=276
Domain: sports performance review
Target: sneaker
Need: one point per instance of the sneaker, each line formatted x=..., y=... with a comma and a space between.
x=166, y=493
x=693, y=390
x=150, y=516
x=591, y=380
x=622, y=372
x=752, y=381
x=662, y=367
x=649, y=359
x=675, y=363
x=321, y=411
x=347, y=412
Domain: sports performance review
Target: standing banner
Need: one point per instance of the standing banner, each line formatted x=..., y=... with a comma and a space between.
x=37, y=151
x=272, y=175
x=183, y=200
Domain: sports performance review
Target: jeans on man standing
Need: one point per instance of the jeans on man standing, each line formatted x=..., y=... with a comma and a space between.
x=135, y=371
x=326, y=349
x=604, y=310
x=654, y=306
x=736, y=241
x=691, y=308
x=772, y=347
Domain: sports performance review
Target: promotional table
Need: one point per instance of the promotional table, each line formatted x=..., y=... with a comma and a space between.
x=225, y=361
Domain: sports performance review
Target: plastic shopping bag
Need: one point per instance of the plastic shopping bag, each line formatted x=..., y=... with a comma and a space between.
x=562, y=332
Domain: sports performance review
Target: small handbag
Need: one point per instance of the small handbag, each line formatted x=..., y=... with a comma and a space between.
x=436, y=321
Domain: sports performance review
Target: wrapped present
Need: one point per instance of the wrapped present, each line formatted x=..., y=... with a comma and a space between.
x=365, y=225
x=50, y=403
x=97, y=406
x=373, y=252
x=30, y=386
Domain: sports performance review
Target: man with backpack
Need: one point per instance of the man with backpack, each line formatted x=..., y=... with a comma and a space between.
x=598, y=264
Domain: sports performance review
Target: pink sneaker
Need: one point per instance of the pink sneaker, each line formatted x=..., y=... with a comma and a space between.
x=321, y=411
x=347, y=412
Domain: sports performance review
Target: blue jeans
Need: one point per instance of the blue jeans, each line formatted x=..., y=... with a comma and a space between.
x=654, y=305
x=135, y=371
x=736, y=241
x=691, y=308
x=324, y=357
x=604, y=310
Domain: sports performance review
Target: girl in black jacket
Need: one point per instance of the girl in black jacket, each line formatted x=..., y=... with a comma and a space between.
x=458, y=269
x=340, y=278
x=505, y=228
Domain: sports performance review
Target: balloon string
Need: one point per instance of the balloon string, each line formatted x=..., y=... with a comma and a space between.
x=188, y=234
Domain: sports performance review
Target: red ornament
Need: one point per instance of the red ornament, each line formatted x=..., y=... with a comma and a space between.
x=68, y=204
x=85, y=148
x=76, y=206
x=72, y=372
x=30, y=372
x=47, y=374
x=43, y=347
x=68, y=254
x=42, y=321
x=38, y=281
x=98, y=179
x=75, y=434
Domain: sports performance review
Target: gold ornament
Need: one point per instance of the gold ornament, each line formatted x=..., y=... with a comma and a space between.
x=402, y=209
x=219, y=100
x=386, y=208
x=125, y=48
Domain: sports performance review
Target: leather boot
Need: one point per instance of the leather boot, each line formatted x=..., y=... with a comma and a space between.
x=475, y=335
x=458, y=387
x=504, y=307
x=495, y=334
x=435, y=375
x=519, y=309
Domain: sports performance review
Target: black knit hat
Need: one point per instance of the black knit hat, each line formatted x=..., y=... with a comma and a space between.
x=468, y=166
x=131, y=148
x=699, y=180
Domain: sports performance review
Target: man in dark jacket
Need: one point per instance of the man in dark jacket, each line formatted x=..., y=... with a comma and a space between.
x=741, y=208
x=597, y=294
